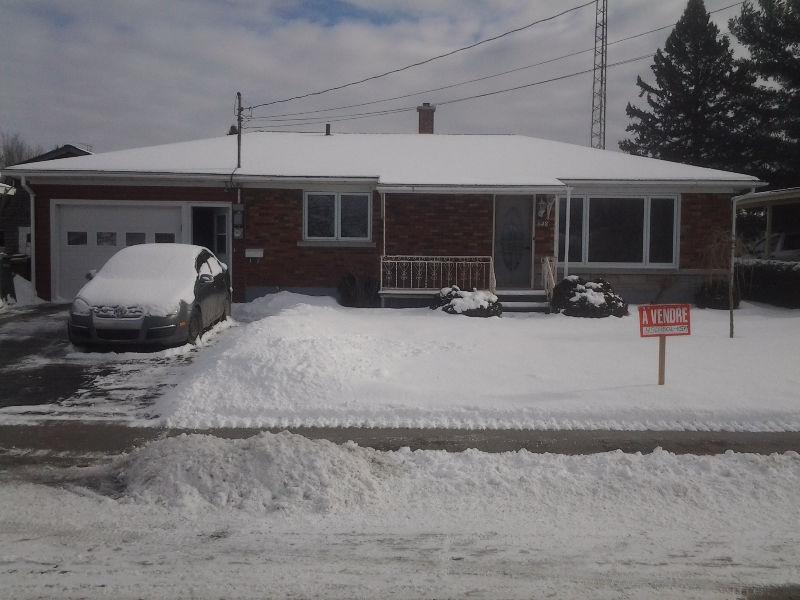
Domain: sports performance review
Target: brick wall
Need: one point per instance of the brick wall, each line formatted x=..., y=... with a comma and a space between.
x=439, y=224
x=274, y=223
x=705, y=231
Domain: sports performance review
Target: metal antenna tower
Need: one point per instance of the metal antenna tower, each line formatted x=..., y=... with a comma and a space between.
x=598, y=134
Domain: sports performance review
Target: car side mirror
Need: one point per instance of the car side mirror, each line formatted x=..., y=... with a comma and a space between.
x=205, y=279
x=90, y=275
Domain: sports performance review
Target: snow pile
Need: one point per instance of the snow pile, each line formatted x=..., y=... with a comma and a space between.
x=24, y=292
x=155, y=277
x=266, y=472
x=576, y=297
x=455, y=301
x=289, y=472
x=310, y=362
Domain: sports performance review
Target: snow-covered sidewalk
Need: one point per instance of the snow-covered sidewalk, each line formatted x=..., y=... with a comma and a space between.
x=284, y=516
x=302, y=361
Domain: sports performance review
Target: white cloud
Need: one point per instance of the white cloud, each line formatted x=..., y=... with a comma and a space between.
x=120, y=74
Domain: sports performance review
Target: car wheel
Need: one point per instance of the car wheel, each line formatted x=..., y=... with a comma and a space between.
x=195, y=327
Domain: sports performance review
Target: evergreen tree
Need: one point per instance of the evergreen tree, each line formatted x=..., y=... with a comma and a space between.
x=772, y=36
x=702, y=104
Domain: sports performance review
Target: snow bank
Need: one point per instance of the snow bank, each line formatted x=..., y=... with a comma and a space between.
x=24, y=292
x=309, y=362
x=289, y=472
x=263, y=473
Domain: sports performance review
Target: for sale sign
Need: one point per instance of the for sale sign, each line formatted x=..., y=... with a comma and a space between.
x=664, y=319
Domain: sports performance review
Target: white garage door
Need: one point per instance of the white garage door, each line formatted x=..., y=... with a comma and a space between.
x=89, y=234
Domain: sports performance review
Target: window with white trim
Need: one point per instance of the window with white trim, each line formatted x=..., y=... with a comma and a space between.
x=334, y=216
x=620, y=230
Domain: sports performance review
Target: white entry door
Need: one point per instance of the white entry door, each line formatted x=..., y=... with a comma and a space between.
x=87, y=235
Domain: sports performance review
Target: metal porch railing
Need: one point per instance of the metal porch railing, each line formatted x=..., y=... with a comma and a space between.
x=410, y=273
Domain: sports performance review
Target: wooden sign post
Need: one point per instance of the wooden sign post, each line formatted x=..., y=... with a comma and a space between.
x=661, y=320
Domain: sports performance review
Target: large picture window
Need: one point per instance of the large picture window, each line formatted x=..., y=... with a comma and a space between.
x=619, y=230
x=337, y=217
x=575, y=229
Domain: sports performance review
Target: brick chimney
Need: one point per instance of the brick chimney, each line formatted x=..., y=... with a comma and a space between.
x=426, y=117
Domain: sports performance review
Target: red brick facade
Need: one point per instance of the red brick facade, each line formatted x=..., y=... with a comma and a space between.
x=416, y=224
x=274, y=223
x=705, y=231
x=438, y=224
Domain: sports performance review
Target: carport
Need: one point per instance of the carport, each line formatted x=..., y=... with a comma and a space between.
x=767, y=200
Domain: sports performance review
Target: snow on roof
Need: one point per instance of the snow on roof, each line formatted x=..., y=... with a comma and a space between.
x=388, y=159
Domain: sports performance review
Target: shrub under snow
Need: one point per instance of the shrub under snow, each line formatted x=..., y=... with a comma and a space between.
x=576, y=297
x=455, y=301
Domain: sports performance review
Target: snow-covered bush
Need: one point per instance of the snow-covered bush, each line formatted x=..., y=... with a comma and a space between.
x=715, y=294
x=772, y=281
x=576, y=297
x=455, y=301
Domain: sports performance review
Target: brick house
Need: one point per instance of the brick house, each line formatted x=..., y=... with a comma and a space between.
x=415, y=212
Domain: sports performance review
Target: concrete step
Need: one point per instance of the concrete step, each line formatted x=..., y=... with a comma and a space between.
x=521, y=296
x=521, y=307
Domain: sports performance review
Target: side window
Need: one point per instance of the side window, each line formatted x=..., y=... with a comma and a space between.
x=77, y=238
x=165, y=238
x=106, y=238
x=133, y=239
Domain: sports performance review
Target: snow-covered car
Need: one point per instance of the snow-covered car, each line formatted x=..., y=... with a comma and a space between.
x=782, y=246
x=151, y=294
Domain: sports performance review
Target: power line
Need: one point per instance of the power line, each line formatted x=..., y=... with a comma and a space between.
x=453, y=101
x=427, y=60
x=483, y=78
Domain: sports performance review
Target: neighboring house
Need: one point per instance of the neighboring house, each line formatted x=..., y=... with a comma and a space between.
x=416, y=212
x=15, y=210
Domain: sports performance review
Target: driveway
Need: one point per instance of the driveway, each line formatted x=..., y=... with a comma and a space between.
x=42, y=377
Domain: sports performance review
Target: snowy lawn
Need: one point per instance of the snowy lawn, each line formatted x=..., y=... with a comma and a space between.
x=297, y=360
x=283, y=516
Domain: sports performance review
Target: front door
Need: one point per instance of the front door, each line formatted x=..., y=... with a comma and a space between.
x=513, y=244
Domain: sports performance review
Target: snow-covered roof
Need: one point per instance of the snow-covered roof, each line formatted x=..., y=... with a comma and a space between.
x=388, y=159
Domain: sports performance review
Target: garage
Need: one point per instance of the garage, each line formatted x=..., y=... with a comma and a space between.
x=86, y=235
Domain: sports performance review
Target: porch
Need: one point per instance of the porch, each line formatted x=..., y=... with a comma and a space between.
x=503, y=243
x=407, y=280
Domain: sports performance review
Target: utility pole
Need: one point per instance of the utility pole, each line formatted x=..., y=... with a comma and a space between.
x=238, y=130
x=598, y=129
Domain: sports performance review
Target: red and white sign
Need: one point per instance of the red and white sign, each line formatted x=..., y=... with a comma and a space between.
x=664, y=319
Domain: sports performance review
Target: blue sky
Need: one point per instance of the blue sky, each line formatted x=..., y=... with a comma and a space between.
x=116, y=74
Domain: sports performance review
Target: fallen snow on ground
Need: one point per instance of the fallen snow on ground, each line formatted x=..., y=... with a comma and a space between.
x=305, y=361
x=281, y=515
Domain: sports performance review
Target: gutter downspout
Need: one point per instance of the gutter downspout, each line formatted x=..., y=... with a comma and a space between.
x=566, y=233
x=731, y=268
x=32, y=197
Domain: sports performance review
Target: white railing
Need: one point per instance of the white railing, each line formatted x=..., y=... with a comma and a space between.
x=436, y=272
x=549, y=276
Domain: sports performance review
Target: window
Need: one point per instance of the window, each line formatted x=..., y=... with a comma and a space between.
x=106, y=238
x=133, y=239
x=334, y=217
x=77, y=238
x=165, y=238
x=662, y=230
x=616, y=230
x=221, y=233
x=619, y=230
x=575, y=229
